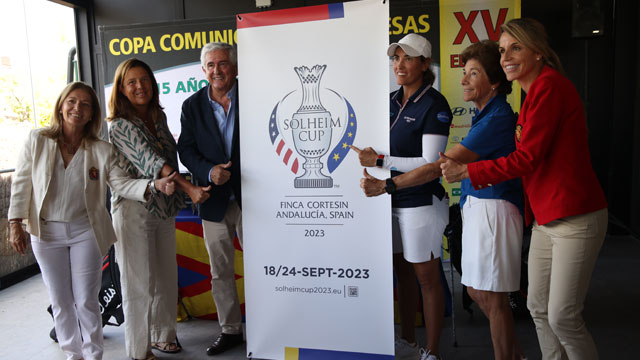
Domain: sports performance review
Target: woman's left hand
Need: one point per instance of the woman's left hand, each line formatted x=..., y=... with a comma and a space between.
x=453, y=170
x=371, y=185
x=166, y=185
x=367, y=156
x=17, y=238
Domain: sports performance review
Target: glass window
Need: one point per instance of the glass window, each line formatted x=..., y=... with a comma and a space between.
x=34, y=49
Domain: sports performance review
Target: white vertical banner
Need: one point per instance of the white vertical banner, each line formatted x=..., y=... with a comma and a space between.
x=317, y=252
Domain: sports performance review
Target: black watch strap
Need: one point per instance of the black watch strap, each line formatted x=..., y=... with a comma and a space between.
x=390, y=186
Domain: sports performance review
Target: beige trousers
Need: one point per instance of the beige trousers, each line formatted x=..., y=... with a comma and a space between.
x=562, y=256
x=218, y=239
x=146, y=253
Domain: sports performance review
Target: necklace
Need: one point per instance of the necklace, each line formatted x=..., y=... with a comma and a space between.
x=150, y=125
x=70, y=148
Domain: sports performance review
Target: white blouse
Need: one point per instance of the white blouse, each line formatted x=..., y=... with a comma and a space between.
x=63, y=201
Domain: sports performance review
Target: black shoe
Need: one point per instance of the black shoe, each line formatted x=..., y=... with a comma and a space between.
x=52, y=335
x=224, y=342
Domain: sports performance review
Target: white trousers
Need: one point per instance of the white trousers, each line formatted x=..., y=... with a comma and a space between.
x=146, y=253
x=218, y=239
x=71, y=266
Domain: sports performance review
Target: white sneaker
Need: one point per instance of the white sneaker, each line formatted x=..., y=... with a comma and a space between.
x=426, y=355
x=406, y=351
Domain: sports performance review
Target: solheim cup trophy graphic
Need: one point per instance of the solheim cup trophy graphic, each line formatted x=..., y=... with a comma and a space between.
x=307, y=136
x=312, y=135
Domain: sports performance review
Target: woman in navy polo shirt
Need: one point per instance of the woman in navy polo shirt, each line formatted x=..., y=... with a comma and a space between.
x=420, y=120
x=492, y=224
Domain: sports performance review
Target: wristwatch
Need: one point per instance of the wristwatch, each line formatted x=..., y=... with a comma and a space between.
x=380, y=161
x=390, y=186
x=152, y=187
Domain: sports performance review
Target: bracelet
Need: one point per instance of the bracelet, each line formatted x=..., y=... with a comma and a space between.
x=152, y=187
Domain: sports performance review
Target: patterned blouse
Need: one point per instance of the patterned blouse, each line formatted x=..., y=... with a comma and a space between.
x=141, y=155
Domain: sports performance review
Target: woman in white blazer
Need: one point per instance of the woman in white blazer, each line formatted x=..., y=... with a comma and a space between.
x=60, y=188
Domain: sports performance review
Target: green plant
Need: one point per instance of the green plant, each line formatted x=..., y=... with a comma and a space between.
x=14, y=105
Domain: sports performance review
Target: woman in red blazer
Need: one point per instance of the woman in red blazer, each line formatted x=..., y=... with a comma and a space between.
x=562, y=195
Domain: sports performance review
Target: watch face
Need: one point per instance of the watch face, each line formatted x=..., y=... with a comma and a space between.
x=390, y=186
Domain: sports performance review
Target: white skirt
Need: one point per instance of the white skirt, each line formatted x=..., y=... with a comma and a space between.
x=417, y=232
x=491, y=245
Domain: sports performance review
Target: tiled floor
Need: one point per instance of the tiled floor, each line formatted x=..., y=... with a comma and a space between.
x=611, y=312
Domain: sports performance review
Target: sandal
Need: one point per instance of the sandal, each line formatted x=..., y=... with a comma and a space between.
x=167, y=347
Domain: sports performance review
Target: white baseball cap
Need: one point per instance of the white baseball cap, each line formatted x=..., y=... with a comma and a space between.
x=413, y=45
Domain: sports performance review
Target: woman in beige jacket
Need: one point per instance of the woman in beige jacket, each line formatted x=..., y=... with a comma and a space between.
x=60, y=189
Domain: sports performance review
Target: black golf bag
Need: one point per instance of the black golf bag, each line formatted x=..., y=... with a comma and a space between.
x=110, y=295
